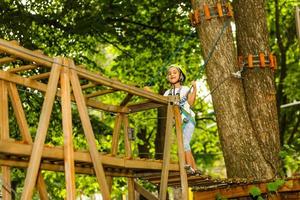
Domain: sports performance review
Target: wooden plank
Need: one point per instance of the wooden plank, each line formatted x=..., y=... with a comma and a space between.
x=22, y=68
x=88, y=131
x=21, y=52
x=181, y=157
x=291, y=185
x=40, y=76
x=137, y=107
x=67, y=129
x=60, y=168
x=166, y=155
x=4, y=135
x=297, y=17
x=36, y=154
x=6, y=60
x=148, y=195
x=24, y=130
x=99, y=93
x=89, y=85
x=57, y=153
x=43, y=87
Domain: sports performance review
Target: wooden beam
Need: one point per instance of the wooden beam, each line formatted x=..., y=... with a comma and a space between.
x=181, y=156
x=6, y=60
x=99, y=93
x=43, y=87
x=120, y=86
x=40, y=76
x=24, y=129
x=89, y=85
x=57, y=153
x=88, y=131
x=137, y=107
x=166, y=155
x=22, y=68
x=60, y=168
x=67, y=130
x=21, y=52
x=19, y=113
x=36, y=154
x=297, y=17
x=291, y=185
x=4, y=135
x=148, y=195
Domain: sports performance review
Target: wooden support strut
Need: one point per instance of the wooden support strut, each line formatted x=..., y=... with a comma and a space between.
x=181, y=156
x=24, y=130
x=4, y=135
x=88, y=131
x=166, y=154
x=67, y=130
x=36, y=154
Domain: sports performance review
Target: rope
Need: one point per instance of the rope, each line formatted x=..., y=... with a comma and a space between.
x=209, y=55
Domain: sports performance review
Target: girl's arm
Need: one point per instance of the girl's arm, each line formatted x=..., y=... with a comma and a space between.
x=192, y=95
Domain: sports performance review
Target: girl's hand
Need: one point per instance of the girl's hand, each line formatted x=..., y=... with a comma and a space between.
x=194, y=84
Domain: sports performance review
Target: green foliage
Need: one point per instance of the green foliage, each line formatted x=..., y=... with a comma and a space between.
x=274, y=186
x=291, y=157
x=255, y=192
x=133, y=41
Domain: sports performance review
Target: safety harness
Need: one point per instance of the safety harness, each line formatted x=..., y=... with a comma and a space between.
x=186, y=115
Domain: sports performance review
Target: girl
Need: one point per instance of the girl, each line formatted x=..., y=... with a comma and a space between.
x=187, y=95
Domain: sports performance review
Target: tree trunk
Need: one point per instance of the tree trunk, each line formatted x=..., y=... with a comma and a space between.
x=259, y=84
x=242, y=153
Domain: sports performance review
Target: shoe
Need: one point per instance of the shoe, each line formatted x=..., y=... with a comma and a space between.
x=189, y=169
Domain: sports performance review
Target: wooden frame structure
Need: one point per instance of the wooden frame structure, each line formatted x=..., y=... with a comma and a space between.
x=63, y=80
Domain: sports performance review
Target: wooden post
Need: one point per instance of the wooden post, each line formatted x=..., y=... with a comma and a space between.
x=24, y=129
x=4, y=135
x=115, y=142
x=67, y=129
x=128, y=154
x=166, y=156
x=88, y=131
x=35, y=158
x=181, y=157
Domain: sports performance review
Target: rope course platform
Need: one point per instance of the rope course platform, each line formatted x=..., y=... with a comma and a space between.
x=62, y=79
x=59, y=78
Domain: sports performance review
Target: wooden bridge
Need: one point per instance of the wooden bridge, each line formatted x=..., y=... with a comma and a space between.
x=63, y=79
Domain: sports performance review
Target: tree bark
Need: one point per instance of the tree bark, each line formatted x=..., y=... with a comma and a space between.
x=242, y=153
x=259, y=84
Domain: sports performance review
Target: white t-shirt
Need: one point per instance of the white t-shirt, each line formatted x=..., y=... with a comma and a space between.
x=183, y=92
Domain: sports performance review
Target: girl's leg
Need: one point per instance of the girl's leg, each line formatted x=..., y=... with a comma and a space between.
x=188, y=130
x=189, y=159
